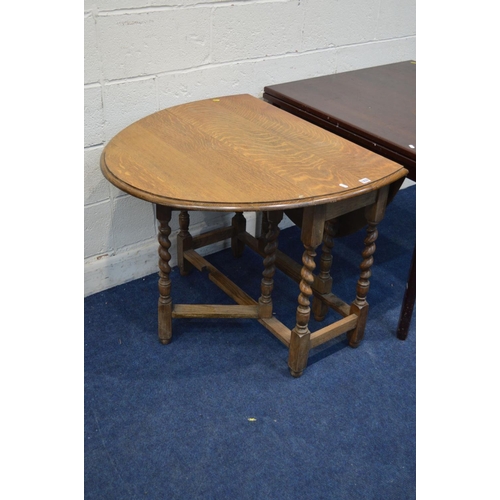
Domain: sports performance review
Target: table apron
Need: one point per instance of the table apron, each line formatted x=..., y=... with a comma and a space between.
x=336, y=209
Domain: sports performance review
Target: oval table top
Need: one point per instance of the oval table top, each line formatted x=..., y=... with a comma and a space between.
x=239, y=153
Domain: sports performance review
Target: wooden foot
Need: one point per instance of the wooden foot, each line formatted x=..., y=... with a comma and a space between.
x=295, y=374
x=184, y=242
x=271, y=245
x=164, y=214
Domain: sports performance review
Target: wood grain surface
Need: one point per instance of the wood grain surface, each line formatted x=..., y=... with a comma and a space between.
x=374, y=107
x=239, y=153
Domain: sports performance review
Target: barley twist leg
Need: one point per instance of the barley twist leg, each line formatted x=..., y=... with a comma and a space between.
x=164, y=214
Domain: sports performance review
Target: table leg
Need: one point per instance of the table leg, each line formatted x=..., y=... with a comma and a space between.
x=271, y=245
x=184, y=242
x=374, y=214
x=240, y=226
x=164, y=214
x=264, y=228
x=300, y=343
x=319, y=308
x=408, y=300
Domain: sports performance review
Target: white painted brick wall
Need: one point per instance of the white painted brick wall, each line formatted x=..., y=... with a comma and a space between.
x=153, y=42
x=91, y=52
x=330, y=23
x=146, y=55
x=253, y=30
x=94, y=119
x=96, y=187
x=127, y=102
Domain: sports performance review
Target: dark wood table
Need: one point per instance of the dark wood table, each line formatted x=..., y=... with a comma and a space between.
x=238, y=154
x=373, y=107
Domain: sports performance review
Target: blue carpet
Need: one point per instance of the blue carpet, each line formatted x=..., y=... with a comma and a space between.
x=216, y=414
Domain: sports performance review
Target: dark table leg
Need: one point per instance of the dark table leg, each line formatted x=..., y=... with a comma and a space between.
x=408, y=300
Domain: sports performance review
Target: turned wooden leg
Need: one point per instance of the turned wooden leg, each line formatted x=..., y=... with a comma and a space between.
x=264, y=229
x=360, y=305
x=374, y=215
x=164, y=214
x=184, y=242
x=240, y=226
x=324, y=279
x=300, y=343
x=267, y=283
x=300, y=338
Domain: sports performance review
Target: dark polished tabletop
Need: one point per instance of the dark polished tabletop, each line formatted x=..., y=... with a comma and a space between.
x=373, y=107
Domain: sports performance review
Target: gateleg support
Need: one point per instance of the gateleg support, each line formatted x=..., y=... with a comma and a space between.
x=239, y=224
x=263, y=229
x=271, y=245
x=324, y=278
x=184, y=242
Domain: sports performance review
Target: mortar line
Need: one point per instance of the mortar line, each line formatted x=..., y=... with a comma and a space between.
x=162, y=8
x=250, y=60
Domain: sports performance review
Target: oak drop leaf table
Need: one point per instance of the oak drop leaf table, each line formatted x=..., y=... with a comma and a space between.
x=240, y=154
